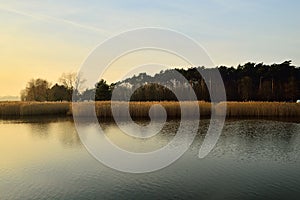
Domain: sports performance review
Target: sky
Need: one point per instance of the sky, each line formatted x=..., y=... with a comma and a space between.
x=43, y=39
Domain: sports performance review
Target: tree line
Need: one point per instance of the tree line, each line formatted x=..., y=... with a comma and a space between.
x=69, y=84
x=248, y=82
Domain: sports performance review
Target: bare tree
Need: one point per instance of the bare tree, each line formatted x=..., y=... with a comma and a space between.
x=72, y=81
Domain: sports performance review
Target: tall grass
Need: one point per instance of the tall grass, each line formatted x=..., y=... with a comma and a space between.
x=260, y=109
x=141, y=109
x=34, y=108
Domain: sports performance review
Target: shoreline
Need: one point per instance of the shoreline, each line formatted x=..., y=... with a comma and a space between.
x=141, y=109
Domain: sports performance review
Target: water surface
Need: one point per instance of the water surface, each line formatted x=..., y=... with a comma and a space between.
x=44, y=159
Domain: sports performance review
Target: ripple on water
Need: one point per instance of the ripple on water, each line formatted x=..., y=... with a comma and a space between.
x=252, y=159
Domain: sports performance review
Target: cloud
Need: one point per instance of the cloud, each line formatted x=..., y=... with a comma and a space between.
x=56, y=20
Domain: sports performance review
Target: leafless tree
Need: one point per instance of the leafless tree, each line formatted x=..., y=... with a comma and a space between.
x=72, y=81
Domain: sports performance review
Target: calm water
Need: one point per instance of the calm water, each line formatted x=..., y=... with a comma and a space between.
x=44, y=159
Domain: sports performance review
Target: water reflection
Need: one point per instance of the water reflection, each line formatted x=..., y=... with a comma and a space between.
x=39, y=129
x=259, y=140
x=61, y=128
x=42, y=158
x=133, y=144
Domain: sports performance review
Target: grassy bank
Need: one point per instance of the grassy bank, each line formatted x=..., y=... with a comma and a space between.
x=141, y=109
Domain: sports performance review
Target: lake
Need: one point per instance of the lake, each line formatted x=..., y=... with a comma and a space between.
x=43, y=158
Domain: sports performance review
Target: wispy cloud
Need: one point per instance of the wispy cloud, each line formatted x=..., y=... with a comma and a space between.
x=56, y=20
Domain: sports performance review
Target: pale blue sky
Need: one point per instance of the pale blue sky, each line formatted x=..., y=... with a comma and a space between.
x=46, y=38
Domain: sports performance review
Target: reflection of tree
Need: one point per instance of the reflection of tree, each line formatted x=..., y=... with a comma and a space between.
x=40, y=130
x=66, y=133
x=61, y=128
x=69, y=137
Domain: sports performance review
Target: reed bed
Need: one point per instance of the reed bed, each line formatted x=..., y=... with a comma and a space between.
x=260, y=109
x=173, y=109
x=141, y=109
x=34, y=108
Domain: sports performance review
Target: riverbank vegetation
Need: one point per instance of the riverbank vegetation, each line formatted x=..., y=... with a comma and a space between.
x=141, y=109
x=253, y=90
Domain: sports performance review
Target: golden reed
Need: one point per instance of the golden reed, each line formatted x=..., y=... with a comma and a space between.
x=34, y=108
x=261, y=109
x=141, y=109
